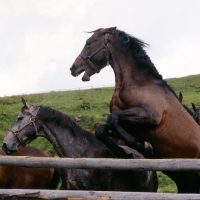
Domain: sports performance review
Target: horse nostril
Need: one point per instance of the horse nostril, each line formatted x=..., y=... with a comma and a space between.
x=4, y=147
x=72, y=68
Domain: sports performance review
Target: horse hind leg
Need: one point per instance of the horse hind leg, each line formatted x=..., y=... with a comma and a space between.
x=194, y=182
x=189, y=185
x=55, y=179
x=186, y=182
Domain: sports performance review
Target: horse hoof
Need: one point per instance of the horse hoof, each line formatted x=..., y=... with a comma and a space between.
x=127, y=156
x=148, y=151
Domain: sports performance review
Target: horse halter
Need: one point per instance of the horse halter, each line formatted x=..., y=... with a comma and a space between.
x=32, y=122
x=87, y=58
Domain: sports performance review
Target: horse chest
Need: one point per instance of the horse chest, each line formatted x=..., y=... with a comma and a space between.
x=125, y=99
x=120, y=101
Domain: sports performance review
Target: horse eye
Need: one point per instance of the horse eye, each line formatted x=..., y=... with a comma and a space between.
x=19, y=118
x=88, y=43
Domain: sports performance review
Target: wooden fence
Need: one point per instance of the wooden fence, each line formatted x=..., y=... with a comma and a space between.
x=86, y=163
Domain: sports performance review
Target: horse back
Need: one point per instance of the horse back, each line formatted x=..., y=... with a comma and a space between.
x=12, y=177
x=176, y=130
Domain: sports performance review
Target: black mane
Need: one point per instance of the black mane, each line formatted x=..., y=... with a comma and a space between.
x=131, y=44
x=53, y=116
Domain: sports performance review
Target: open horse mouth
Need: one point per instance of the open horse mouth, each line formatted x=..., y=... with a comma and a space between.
x=76, y=72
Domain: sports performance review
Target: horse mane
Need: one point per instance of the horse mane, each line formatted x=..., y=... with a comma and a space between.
x=53, y=116
x=128, y=43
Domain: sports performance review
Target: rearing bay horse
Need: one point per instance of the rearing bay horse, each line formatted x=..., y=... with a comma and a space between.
x=143, y=107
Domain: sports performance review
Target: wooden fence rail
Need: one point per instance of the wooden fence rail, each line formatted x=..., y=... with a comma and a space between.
x=86, y=163
x=17, y=194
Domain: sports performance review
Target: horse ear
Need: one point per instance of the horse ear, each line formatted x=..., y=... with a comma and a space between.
x=193, y=106
x=24, y=102
x=180, y=97
x=109, y=30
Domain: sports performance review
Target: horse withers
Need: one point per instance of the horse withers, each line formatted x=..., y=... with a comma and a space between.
x=12, y=177
x=70, y=140
x=143, y=106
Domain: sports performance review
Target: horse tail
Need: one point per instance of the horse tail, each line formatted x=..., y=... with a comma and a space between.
x=55, y=179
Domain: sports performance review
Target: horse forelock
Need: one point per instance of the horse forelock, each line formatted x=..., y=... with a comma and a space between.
x=94, y=31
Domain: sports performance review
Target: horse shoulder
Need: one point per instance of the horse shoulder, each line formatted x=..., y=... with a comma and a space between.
x=141, y=98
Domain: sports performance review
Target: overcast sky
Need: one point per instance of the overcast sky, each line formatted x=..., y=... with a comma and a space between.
x=39, y=39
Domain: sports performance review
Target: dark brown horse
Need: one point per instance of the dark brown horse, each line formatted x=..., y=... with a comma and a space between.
x=143, y=107
x=180, y=97
x=196, y=114
x=12, y=177
x=70, y=140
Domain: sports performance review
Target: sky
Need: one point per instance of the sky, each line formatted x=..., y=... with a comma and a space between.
x=40, y=39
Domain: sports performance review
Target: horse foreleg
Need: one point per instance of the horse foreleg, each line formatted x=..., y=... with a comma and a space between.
x=64, y=178
x=119, y=141
x=144, y=148
x=134, y=117
x=129, y=139
x=102, y=133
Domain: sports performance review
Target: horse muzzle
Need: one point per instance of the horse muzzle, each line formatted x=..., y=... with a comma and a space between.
x=9, y=150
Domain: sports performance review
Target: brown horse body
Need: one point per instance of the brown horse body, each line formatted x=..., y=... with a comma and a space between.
x=12, y=177
x=143, y=106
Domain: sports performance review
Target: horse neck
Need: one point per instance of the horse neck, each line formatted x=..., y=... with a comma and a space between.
x=126, y=70
x=68, y=142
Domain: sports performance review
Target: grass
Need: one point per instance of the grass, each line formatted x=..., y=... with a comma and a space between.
x=166, y=185
x=93, y=106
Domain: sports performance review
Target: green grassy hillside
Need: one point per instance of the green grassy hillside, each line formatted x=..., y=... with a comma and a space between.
x=93, y=106
x=189, y=86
